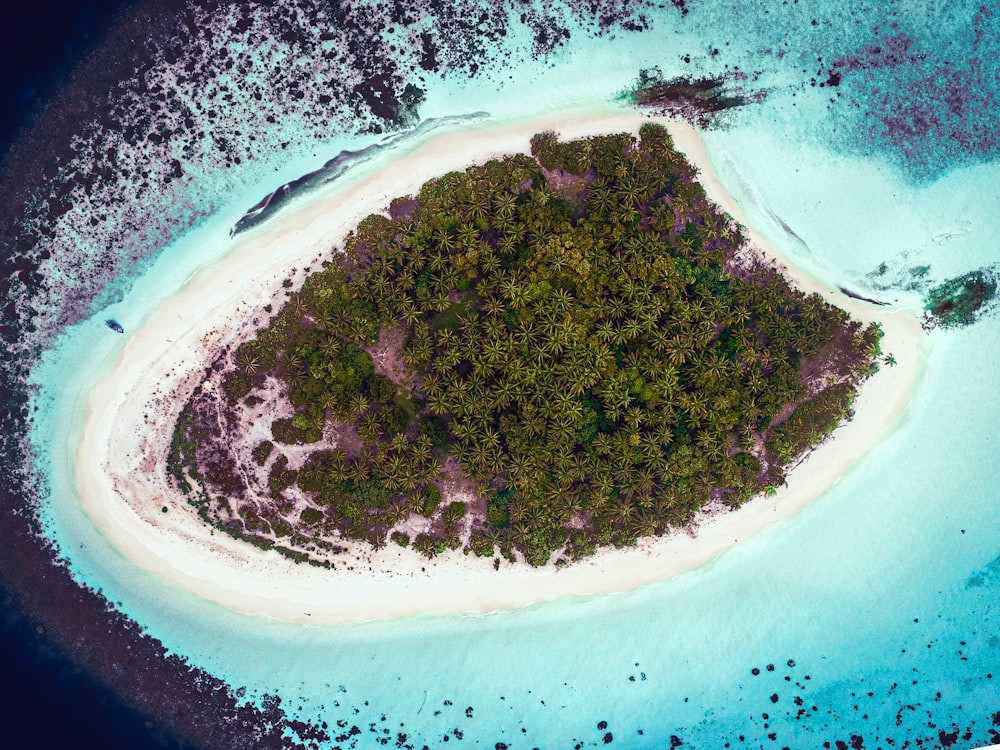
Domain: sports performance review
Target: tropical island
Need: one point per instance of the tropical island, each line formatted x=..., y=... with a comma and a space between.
x=533, y=359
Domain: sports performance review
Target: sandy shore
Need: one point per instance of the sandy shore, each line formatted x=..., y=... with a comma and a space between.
x=121, y=478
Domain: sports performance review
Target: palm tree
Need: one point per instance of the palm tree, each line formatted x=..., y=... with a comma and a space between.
x=489, y=262
x=359, y=469
x=467, y=234
x=368, y=427
x=507, y=244
x=248, y=363
x=421, y=449
x=395, y=514
x=489, y=438
x=359, y=404
x=635, y=417
x=621, y=511
x=520, y=537
x=297, y=307
x=503, y=394
x=605, y=332
x=462, y=429
x=411, y=313
x=505, y=205
x=444, y=239
x=330, y=403
x=517, y=510
x=392, y=472
x=493, y=537
x=630, y=192
x=601, y=199
x=630, y=329
x=479, y=208
x=330, y=347
x=644, y=524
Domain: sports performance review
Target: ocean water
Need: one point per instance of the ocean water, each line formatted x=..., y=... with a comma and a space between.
x=869, y=618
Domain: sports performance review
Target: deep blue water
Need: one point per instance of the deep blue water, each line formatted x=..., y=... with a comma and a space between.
x=43, y=40
x=871, y=135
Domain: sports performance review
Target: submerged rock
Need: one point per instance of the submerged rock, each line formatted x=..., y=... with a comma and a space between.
x=697, y=100
x=960, y=301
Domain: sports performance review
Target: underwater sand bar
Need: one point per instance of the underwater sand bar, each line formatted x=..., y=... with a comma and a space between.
x=122, y=479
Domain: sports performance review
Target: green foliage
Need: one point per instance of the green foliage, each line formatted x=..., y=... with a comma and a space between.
x=370, y=493
x=403, y=540
x=380, y=389
x=454, y=512
x=573, y=157
x=295, y=431
x=481, y=544
x=181, y=455
x=236, y=385
x=393, y=420
x=428, y=545
x=431, y=497
x=281, y=477
x=496, y=509
x=261, y=451
x=583, y=354
x=311, y=516
x=432, y=428
x=810, y=422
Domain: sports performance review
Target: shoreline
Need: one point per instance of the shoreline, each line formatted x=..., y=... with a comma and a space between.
x=121, y=477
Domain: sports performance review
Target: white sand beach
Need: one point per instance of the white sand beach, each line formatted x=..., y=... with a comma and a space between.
x=120, y=461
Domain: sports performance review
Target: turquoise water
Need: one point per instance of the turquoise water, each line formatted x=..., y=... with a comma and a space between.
x=884, y=585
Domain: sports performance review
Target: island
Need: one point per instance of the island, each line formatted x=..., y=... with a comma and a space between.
x=529, y=360
x=233, y=288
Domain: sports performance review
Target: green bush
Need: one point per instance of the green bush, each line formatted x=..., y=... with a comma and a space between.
x=281, y=478
x=380, y=389
x=480, y=544
x=432, y=427
x=370, y=493
x=393, y=420
x=261, y=451
x=454, y=512
x=496, y=509
x=431, y=498
x=236, y=385
x=311, y=516
x=287, y=432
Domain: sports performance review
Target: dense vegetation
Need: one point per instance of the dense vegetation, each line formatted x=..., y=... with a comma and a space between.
x=578, y=335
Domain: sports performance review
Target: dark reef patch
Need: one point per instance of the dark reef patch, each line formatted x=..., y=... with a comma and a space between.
x=960, y=301
x=332, y=170
x=84, y=646
x=697, y=100
x=988, y=575
x=850, y=713
x=935, y=103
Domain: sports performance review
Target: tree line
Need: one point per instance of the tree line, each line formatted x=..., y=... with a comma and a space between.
x=578, y=331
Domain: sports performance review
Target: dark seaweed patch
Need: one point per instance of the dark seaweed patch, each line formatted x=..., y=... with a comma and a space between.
x=697, y=100
x=960, y=301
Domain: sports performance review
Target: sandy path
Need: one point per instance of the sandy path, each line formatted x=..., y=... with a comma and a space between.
x=131, y=412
